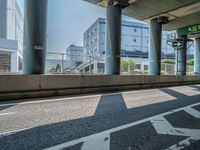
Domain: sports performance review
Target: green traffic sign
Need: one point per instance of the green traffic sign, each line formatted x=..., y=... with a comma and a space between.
x=195, y=29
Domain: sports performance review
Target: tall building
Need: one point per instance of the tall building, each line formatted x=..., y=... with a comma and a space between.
x=74, y=56
x=11, y=36
x=135, y=39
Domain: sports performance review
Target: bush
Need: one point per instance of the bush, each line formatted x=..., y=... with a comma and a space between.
x=128, y=65
x=190, y=62
x=168, y=61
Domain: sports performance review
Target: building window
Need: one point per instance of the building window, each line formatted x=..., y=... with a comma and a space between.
x=134, y=40
x=135, y=30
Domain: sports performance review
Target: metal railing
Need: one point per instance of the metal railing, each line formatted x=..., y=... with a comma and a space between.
x=61, y=63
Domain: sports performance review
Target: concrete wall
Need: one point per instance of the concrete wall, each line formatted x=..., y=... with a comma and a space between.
x=28, y=86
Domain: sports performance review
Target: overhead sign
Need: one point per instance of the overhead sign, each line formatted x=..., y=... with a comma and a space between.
x=195, y=29
x=177, y=44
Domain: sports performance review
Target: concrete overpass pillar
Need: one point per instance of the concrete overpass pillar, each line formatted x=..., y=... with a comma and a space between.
x=155, y=45
x=35, y=31
x=197, y=56
x=113, y=38
x=181, y=57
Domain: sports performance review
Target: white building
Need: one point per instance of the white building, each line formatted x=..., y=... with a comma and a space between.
x=11, y=36
x=135, y=38
x=74, y=56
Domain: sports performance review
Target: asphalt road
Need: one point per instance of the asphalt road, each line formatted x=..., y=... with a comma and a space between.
x=154, y=119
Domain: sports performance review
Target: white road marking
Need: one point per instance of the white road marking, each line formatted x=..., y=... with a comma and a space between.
x=71, y=98
x=57, y=99
x=161, y=125
x=192, y=112
x=180, y=145
x=4, y=114
x=45, y=101
x=13, y=132
x=100, y=142
x=103, y=139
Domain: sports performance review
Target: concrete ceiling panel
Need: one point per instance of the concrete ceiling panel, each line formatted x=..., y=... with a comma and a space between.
x=181, y=13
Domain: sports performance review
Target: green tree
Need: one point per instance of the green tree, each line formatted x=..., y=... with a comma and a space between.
x=190, y=62
x=128, y=65
x=168, y=61
x=58, y=68
x=52, y=70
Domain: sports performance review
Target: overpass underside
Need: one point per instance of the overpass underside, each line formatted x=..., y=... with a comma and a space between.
x=174, y=15
x=180, y=13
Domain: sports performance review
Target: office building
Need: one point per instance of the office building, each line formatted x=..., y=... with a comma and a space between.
x=135, y=38
x=74, y=56
x=135, y=41
x=11, y=36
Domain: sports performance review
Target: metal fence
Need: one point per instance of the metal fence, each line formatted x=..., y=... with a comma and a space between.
x=61, y=63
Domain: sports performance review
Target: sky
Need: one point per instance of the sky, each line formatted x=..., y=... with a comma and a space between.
x=68, y=20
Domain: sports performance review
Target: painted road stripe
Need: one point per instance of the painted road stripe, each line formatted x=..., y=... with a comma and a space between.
x=57, y=99
x=158, y=121
x=102, y=140
x=13, y=132
x=192, y=112
x=115, y=129
x=180, y=145
x=71, y=98
x=4, y=114
x=46, y=101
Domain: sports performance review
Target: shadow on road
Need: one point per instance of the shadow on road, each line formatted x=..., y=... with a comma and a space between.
x=111, y=112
